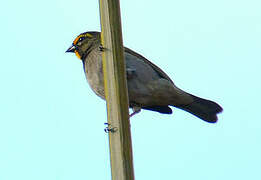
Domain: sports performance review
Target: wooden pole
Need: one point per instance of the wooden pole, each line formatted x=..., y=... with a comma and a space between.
x=116, y=91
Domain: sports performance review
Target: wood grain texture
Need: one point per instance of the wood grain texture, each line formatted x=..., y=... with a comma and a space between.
x=116, y=91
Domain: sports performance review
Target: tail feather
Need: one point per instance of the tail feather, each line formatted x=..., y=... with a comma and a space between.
x=204, y=109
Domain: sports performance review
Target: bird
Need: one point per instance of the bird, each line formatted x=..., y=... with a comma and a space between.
x=149, y=87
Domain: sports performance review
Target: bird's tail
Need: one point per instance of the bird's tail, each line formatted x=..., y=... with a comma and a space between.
x=204, y=109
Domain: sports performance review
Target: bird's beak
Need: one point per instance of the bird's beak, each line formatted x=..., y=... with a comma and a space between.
x=71, y=49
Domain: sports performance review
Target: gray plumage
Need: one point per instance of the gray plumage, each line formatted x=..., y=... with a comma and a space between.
x=148, y=86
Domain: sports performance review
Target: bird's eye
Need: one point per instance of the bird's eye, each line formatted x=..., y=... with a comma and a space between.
x=81, y=39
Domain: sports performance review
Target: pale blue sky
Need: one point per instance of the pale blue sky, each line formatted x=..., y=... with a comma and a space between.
x=51, y=123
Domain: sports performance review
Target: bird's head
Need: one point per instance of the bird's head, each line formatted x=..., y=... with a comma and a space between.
x=84, y=43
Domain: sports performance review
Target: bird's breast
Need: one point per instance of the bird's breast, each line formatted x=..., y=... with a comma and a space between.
x=94, y=73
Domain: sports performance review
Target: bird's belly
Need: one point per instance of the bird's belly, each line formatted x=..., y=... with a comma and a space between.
x=97, y=85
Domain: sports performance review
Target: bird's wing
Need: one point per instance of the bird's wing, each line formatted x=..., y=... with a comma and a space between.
x=156, y=68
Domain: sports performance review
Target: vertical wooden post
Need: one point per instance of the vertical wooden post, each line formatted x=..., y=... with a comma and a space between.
x=116, y=91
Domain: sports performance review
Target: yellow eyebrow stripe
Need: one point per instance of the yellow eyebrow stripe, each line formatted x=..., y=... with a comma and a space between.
x=82, y=35
x=88, y=35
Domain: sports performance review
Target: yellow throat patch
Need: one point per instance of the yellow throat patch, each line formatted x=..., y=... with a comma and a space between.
x=77, y=54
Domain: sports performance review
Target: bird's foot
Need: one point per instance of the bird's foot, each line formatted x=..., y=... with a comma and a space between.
x=135, y=109
x=109, y=128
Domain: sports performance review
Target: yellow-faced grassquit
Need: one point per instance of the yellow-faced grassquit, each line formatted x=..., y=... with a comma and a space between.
x=148, y=86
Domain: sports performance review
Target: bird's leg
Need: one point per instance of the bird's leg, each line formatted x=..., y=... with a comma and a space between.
x=135, y=110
